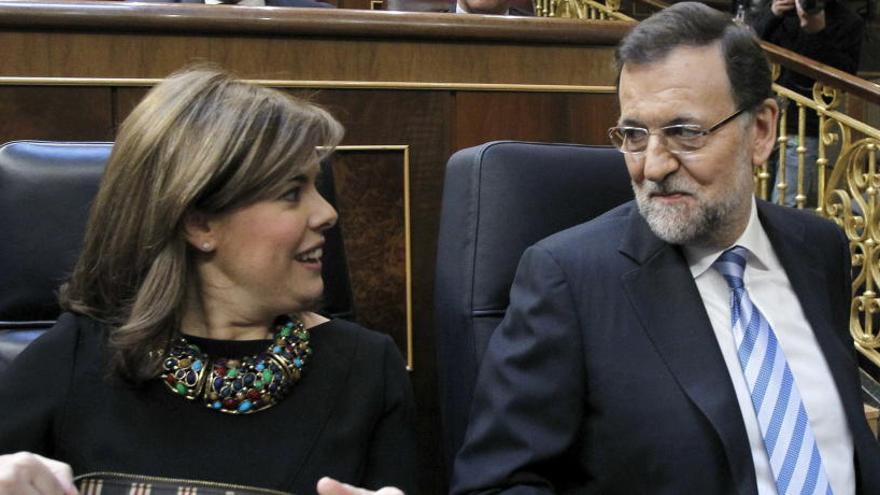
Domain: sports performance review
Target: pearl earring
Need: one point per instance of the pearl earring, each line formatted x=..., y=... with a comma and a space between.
x=206, y=246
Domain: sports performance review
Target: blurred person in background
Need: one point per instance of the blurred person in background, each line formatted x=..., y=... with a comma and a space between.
x=828, y=32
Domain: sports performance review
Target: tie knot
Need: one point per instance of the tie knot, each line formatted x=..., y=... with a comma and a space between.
x=731, y=264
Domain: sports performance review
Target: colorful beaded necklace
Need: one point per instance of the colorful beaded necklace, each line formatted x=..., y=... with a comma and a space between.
x=239, y=386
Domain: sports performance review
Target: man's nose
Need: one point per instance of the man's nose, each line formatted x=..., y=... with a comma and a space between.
x=658, y=161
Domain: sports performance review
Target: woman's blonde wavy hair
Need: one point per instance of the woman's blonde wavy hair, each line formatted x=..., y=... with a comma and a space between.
x=199, y=141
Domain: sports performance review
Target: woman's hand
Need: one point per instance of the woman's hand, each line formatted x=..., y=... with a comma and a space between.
x=329, y=486
x=24, y=473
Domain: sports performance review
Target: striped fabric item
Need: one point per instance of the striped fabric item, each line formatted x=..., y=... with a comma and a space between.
x=128, y=484
x=788, y=438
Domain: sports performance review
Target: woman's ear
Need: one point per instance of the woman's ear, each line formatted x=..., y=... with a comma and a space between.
x=198, y=231
x=765, y=126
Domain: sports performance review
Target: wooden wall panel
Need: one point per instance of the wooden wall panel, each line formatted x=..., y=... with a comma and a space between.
x=55, y=113
x=370, y=200
x=590, y=117
x=302, y=59
x=550, y=117
x=125, y=99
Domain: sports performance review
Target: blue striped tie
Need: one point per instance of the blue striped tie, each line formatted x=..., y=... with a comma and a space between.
x=788, y=438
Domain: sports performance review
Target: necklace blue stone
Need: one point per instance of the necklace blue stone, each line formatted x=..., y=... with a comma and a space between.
x=244, y=385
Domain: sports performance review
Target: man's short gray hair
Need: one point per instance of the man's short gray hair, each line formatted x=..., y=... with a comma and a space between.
x=695, y=24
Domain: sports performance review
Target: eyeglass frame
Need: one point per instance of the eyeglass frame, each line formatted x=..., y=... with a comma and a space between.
x=702, y=133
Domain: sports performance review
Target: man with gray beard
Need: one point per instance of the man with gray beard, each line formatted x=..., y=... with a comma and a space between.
x=694, y=340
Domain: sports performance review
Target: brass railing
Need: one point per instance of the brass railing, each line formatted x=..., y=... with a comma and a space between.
x=580, y=9
x=848, y=179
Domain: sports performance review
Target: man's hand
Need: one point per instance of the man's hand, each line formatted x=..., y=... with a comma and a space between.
x=811, y=23
x=24, y=473
x=329, y=486
x=780, y=7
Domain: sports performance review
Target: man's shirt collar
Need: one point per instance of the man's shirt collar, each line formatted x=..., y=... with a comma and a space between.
x=753, y=238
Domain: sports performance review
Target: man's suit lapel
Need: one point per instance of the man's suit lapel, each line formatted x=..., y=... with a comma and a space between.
x=802, y=262
x=664, y=296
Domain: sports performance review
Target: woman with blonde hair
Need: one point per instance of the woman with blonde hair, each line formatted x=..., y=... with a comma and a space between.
x=190, y=351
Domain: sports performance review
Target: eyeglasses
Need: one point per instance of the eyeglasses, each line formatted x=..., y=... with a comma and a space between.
x=680, y=139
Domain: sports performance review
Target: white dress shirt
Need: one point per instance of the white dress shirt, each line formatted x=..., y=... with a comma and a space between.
x=770, y=290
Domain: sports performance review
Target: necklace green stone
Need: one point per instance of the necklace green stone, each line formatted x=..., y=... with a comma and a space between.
x=239, y=386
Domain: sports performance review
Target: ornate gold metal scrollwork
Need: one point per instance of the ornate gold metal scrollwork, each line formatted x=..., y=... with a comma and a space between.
x=826, y=96
x=580, y=9
x=831, y=130
x=833, y=136
x=848, y=193
x=852, y=202
x=570, y=9
x=852, y=187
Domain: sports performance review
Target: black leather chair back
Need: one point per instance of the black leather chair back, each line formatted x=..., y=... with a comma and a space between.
x=46, y=189
x=498, y=199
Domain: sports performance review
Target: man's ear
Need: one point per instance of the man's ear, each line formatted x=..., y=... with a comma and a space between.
x=198, y=231
x=764, y=134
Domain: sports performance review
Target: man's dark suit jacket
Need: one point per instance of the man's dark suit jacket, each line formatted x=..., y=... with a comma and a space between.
x=606, y=377
x=269, y=3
